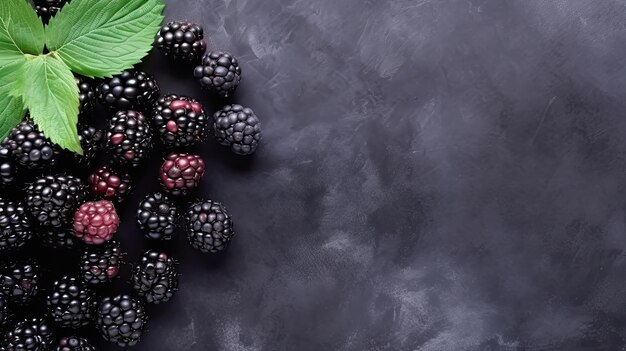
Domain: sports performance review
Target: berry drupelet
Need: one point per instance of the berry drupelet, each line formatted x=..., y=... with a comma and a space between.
x=57, y=238
x=74, y=343
x=15, y=229
x=28, y=335
x=155, y=278
x=52, y=199
x=86, y=95
x=121, y=320
x=30, y=148
x=219, y=73
x=129, y=138
x=101, y=264
x=109, y=184
x=179, y=121
x=131, y=90
x=181, y=173
x=46, y=9
x=209, y=227
x=91, y=140
x=95, y=222
x=238, y=127
x=18, y=282
x=8, y=169
x=157, y=217
x=182, y=41
x=70, y=304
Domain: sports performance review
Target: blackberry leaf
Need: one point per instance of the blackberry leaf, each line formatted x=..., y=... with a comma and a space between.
x=102, y=38
x=51, y=95
x=11, y=108
x=21, y=31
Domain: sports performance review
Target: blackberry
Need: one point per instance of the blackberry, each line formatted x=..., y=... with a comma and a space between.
x=70, y=305
x=101, y=264
x=57, y=238
x=86, y=95
x=18, y=282
x=128, y=138
x=8, y=170
x=46, y=9
x=181, y=173
x=183, y=41
x=219, y=73
x=52, y=199
x=30, y=148
x=121, y=320
x=157, y=217
x=179, y=121
x=238, y=127
x=95, y=222
x=91, y=141
x=209, y=227
x=155, y=278
x=14, y=227
x=108, y=184
x=131, y=90
x=74, y=343
x=6, y=315
x=29, y=334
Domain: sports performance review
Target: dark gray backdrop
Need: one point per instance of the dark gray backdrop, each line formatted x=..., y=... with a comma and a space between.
x=434, y=175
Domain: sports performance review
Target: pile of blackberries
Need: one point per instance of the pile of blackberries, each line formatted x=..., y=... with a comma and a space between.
x=51, y=208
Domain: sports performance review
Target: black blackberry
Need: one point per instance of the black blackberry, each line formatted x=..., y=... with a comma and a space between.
x=30, y=148
x=57, y=238
x=101, y=263
x=52, y=200
x=46, y=9
x=15, y=230
x=28, y=335
x=209, y=227
x=219, y=73
x=155, y=278
x=131, y=90
x=238, y=127
x=8, y=169
x=18, y=282
x=183, y=41
x=91, y=141
x=87, y=95
x=129, y=138
x=121, y=320
x=74, y=343
x=70, y=304
x=179, y=121
x=6, y=314
x=157, y=217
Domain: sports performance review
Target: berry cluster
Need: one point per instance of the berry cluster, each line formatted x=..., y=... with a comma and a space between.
x=72, y=214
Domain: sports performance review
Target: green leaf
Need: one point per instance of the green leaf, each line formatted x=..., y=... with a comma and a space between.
x=51, y=96
x=12, y=108
x=98, y=38
x=21, y=31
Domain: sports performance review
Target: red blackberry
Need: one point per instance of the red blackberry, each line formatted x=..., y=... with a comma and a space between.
x=155, y=278
x=70, y=304
x=179, y=121
x=219, y=73
x=8, y=169
x=238, y=127
x=183, y=41
x=28, y=335
x=86, y=95
x=15, y=230
x=57, y=238
x=6, y=314
x=52, y=199
x=30, y=148
x=181, y=173
x=121, y=320
x=95, y=222
x=157, y=217
x=18, y=282
x=131, y=90
x=91, y=139
x=46, y=9
x=101, y=264
x=108, y=184
x=209, y=227
x=128, y=138
x=74, y=343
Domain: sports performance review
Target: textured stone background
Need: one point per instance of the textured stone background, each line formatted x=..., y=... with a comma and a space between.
x=435, y=175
